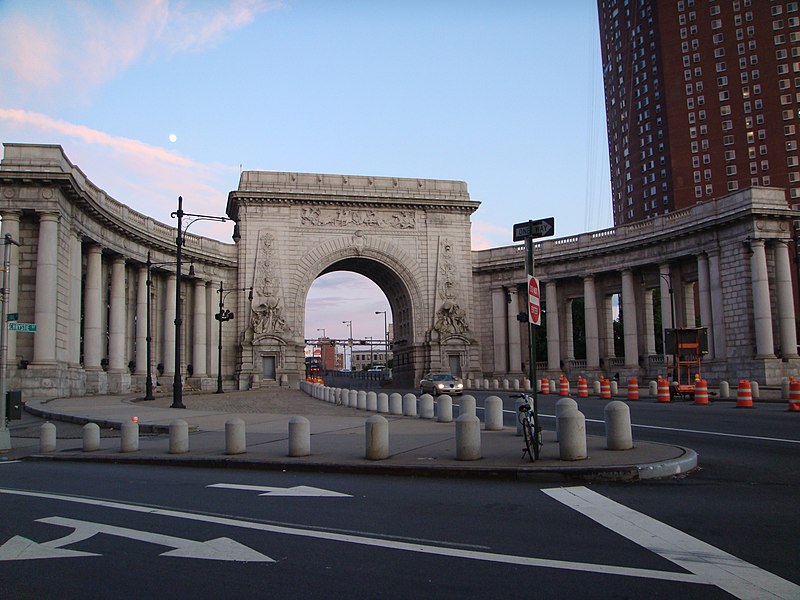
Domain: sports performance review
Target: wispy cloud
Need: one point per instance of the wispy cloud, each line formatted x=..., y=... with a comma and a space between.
x=485, y=235
x=91, y=42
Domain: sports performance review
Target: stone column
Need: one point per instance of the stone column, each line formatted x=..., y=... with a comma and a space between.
x=92, y=305
x=631, y=336
x=199, y=323
x=649, y=323
x=762, y=315
x=590, y=311
x=141, y=321
x=116, y=321
x=212, y=332
x=717, y=306
x=667, y=300
x=499, y=330
x=514, y=343
x=704, y=298
x=688, y=305
x=553, y=334
x=168, y=347
x=44, y=340
x=569, y=331
x=75, y=281
x=783, y=291
x=608, y=326
x=11, y=226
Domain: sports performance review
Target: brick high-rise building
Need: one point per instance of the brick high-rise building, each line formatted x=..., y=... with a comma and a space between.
x=702, y=99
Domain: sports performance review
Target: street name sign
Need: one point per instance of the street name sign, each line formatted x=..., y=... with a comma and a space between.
x=12, y=316
x=22, y=327
x=534, y=229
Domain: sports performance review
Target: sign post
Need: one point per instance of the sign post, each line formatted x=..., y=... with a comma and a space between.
x=5, y=434
x=528, y=231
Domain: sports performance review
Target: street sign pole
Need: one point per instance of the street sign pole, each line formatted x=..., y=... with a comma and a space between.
x=532, y=338
x=5, y=434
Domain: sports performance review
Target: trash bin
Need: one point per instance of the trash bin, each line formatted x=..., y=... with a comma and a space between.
x=14, y=405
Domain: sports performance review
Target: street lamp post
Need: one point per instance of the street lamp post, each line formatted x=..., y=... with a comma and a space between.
x=385, y=337
x=349, y=343
x=5, y=434
x=222, y=316
x=177, y=385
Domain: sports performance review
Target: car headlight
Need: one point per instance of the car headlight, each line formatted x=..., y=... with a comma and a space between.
x=440, y=386
x=460, y=385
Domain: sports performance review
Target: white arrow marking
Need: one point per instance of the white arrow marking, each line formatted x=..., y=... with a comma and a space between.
x=719, y=568
x=217, y=549
x=20, y=548
x=298, y=490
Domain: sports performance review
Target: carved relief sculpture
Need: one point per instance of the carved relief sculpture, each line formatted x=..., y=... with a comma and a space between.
x=267, y=314
x=451, y=319
x=344, y=217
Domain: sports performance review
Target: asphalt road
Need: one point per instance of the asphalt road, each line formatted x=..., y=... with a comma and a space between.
x=728, y=530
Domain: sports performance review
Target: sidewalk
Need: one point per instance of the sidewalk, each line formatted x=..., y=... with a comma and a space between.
x=417, y=446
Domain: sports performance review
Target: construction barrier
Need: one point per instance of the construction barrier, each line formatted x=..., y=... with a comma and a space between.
x=583, y=387
x=563, y=386
x=744, y=395
x=700, y=391
x=663, y=389
x=545, y=386
x=605, y=389
x=794, y=395
x=633, y=388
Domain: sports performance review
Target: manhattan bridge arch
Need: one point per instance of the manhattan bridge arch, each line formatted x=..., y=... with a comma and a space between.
x=411, y=237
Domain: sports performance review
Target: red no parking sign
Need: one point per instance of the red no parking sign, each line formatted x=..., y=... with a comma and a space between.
x=534, y=308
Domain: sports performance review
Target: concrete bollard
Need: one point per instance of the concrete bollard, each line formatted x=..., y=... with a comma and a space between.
x=572, y=429
x=299, y=436
x=376, y=431
x=47, y=437
x=493, y=413
x=486, y=384
x=409, y=405
x=517, y=403
x=235, y=436
x=596, y=388
x=478, y=384
x=426, y=406
x=468, y=437
x=91, y=437
x=495, y=384
x=614, y=387
x=469, y=384
x=754, y=390
x=562, y=406
x=553, y=387
x=526, y=385
x=178, y=437
x=652, y=389
x=785, y=388
x=395, y=404
x=506, y=384
x=618, y=426
x=515, y=384
x=724, y=390
x=383, y=403
x=129, y=440
x=467, y=405
x=372, y=401
x=352, y=398
x=444, y=409
x=361, y=400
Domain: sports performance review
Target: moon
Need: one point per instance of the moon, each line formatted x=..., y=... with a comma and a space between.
x=173, y=138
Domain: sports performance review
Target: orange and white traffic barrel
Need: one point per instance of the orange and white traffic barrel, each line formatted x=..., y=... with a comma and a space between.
x=663, y=390
x=563, y=386
x=794, y=395
x=583, y=387
x=545, y=385
x=633, y=388
x=700, y=391
x=605, y=389
x=744, y=395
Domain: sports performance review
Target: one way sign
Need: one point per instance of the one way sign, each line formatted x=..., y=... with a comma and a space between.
x=534, y=229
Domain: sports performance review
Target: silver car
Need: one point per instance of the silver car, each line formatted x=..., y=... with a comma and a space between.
x=441, y=383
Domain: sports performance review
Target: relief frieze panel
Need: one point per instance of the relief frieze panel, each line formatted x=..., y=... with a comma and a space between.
x=347, y=217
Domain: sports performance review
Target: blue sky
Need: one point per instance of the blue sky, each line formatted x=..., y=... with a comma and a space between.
x=505, y=95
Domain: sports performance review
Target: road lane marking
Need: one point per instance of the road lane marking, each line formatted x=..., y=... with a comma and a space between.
x=370, y=541
x=719, y=568
x=297, y=491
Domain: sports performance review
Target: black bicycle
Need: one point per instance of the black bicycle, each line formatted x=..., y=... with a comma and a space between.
x=531, y=430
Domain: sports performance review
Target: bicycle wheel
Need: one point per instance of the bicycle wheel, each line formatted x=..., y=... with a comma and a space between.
x=530, y=441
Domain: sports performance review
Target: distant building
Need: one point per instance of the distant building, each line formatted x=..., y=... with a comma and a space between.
x=702, y=100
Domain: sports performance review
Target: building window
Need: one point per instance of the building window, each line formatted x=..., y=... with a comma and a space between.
x=733, y=186
x=730, y=170
x=730, y=154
